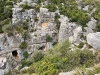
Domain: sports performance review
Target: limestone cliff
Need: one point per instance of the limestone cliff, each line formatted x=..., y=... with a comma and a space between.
x=43, y=27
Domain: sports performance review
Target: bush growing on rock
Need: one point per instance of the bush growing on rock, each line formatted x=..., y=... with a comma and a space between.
x=81, y=44
x=25, y=54
x=23, y=45
x=37, y=7
x=57, y=21
x=97, y=27
x=37, y=56
x=25, y=6
x=49, y=38
x=5, y=9
x=61, y=58
x=51, y=7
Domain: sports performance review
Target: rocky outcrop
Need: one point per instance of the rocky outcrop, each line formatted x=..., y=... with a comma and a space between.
x=9, y=42
x=3, y=62
x=69, y=30
x=76, y=37
x=90, y=26
x=93, y=39
x=44, y=26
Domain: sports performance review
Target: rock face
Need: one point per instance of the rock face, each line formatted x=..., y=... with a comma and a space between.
x=9, y=42
x=76, y=37
x=91, y=25
x=69, y=30
x=93, y=39
x=44, y=25
x=2, y=62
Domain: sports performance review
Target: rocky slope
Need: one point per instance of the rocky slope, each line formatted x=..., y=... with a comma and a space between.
x=39, y=26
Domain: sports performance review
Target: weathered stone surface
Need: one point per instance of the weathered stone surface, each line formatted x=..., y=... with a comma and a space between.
x=3, y=61
x=67, y=73
x=69, y=30
x=2, y=42
x=93, y=39
x=86, y=8
x=91, y=25
x=14, y=41
x=1, y=72
x=77, y=32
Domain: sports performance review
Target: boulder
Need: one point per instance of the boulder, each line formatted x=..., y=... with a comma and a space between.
x=93, y=39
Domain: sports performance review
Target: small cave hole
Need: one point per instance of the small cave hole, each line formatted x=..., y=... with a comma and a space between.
x=14, y=53
x=41, y=48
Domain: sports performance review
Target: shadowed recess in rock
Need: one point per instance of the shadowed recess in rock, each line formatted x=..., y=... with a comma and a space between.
x=14, y=53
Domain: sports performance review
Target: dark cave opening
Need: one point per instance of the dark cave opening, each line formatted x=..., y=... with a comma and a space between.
x=41, y=48
x=14, y=53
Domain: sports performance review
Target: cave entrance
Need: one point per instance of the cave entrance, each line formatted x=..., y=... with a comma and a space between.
x=41, y=48
x=14, y=53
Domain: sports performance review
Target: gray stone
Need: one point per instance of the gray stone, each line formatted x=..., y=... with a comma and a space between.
x=77, y=32
x=91, y=25
x=93, y=39
x=86, y=8
x=69, y=30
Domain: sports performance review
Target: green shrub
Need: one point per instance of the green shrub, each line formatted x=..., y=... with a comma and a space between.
x=81, y=44
x=23, y=63
x=25, y=6
x=57, y=21
x=5, y=12
x=48, y=38
x=5, y=22
x=97, y=28
x=55, y=43
x=19, y=29
x=8, y=3
x=13, y=72
x=9, y=29
x=23, y=45
x=1, y=31
x=25, y=54
x=49, y=65
x=37, y=56
x=31, y=69
x=37, y=7
x=51, y=7
x=24, y=71
x=70, y=9
x=60, y=58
